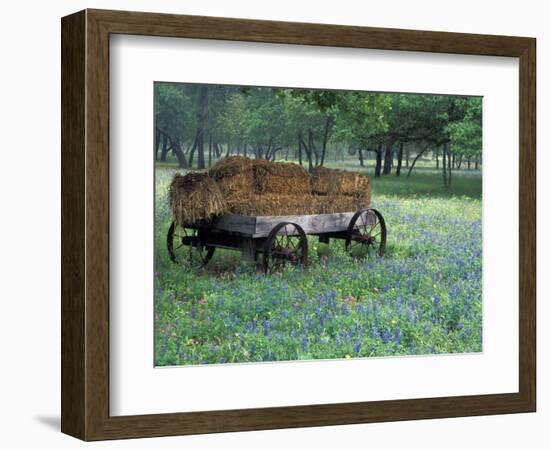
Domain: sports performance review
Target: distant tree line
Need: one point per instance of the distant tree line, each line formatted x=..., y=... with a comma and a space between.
x=202, y=123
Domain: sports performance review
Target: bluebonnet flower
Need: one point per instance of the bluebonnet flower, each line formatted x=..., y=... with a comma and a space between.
x=304, y=343
x=397, y=335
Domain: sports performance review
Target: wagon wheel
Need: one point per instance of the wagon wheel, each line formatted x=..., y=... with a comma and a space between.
x=366, y=234
x=185, y=244
x=286, y=243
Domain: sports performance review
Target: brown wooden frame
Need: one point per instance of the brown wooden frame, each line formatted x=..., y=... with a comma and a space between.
x=85, y=224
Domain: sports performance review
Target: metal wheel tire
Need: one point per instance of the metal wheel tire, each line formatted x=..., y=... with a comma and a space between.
x=366, y=235
x=286, y=243
x=185, y=245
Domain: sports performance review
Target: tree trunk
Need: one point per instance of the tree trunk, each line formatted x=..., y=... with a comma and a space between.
x=328, y=126
x=192, y=152
x=416, y=158
x=210, y=151
x=437, y=160
x=312, y=150
x=378, y=166
x=219, y=150
x=200, y=148
x=308, y=154
x=176, y=149
x=245, y=148
x=459, y=162
x=469, y=161
x=388, y=158
x=399, y=159
x=202, y=124
x=157, y=143
x=361, y=159
x=164, y=151
x=476, y=164
x=444, y=165
x=407, y=155
x=299, y=151
x=451, y=163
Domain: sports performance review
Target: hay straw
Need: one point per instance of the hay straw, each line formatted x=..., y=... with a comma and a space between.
x=325, y=181
x=234, y=176
x=286, y=205
x=280, y=178
x=195, y=197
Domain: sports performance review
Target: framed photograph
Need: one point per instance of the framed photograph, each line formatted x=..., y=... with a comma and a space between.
x=273, y=225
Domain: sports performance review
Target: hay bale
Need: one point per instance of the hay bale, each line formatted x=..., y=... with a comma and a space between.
x=195, y=197
x=326, y=181
x=280, y=178
x=230, y=166
x=290, y=205
x=241, y=176
x=272, y=205
x=234, y=176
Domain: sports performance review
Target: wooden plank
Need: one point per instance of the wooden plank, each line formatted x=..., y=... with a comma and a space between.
x=235, y=223
x=260, y=226
x=315, y=223
x=248, y=250
x=73, y=225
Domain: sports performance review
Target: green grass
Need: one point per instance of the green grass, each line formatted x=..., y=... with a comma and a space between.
x=423, y=297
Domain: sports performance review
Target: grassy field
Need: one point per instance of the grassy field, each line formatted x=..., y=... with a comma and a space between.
x=423, y=297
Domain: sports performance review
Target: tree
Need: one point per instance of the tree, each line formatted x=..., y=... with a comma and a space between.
x=361, y=121
x=173, y=120
x=466, y=134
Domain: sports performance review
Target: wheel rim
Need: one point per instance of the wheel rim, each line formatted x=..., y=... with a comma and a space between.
x=366, y=234
x=185, y=246
x=286, y=244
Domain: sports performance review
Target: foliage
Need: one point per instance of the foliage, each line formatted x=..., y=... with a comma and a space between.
x=310, y=123
x=466, y=135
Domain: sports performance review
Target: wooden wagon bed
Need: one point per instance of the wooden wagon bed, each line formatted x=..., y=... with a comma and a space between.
x=261, y=226
x=275, y=240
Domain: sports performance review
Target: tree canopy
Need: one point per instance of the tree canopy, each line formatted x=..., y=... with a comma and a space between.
x=200, y=123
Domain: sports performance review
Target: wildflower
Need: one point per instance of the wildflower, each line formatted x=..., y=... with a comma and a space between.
x=347, y=356
x=304, y=343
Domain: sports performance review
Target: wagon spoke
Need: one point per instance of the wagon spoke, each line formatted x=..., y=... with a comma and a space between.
x=196, y=255
x=286, y=243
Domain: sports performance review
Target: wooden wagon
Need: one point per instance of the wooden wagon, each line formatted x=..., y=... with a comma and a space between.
x=273, y=241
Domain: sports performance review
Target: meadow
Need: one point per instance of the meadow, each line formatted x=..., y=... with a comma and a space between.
x=423, y=297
